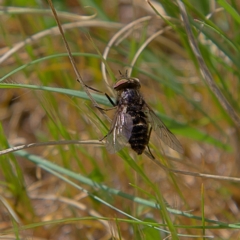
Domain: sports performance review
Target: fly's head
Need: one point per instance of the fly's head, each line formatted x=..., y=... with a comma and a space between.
x=125, y=83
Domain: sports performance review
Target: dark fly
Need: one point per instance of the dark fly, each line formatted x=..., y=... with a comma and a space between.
x=134, y=120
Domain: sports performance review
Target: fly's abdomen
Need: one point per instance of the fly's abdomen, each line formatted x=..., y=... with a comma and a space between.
x=139, y=138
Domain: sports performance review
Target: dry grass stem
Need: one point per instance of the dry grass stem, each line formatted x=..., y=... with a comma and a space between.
x=116, y=37
x=204, y=69
x=55, y=31
x=144, y=46
x=52, y=143
x=84, y=86
x=64, y=15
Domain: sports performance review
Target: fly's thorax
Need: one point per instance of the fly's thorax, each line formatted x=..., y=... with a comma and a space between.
x=129, y=96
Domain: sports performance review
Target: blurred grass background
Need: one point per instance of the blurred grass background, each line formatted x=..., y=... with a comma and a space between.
x=42, y=101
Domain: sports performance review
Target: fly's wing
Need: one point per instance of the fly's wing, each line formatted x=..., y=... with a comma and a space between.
x=120, y=132
x=162, y=131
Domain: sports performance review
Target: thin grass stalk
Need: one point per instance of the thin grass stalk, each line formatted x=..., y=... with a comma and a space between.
x=204, y=69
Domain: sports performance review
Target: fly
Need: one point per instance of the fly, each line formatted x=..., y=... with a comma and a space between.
x=134, y=120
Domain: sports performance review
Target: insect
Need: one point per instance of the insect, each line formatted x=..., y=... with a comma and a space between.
x=134, y=120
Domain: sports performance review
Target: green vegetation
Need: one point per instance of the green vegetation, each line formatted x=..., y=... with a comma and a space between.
x=57, y=179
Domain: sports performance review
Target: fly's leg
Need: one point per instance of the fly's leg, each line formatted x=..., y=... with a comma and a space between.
x=148, y=142
x=107, y=109
x=103, y=109
x=150, y=152
x=105, y=136
x=109, y=99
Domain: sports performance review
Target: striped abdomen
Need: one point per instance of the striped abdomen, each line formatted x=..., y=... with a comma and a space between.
x=139, y=138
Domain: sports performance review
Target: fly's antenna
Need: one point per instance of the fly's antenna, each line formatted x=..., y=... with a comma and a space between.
x=123, y=75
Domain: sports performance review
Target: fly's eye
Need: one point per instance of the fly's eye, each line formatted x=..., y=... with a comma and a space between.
x=136, y=80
